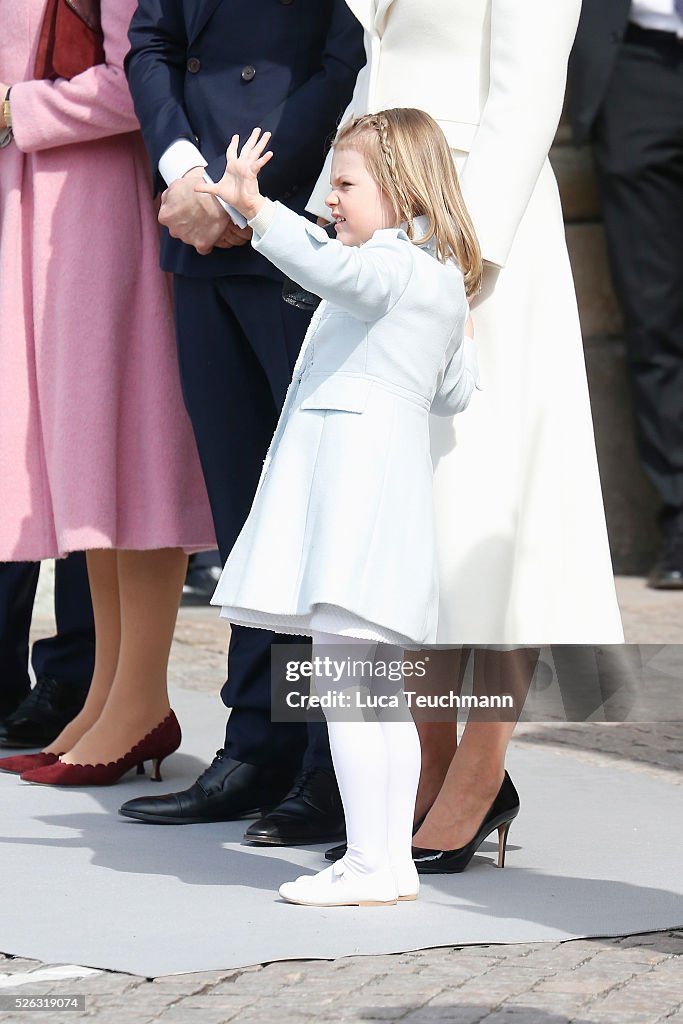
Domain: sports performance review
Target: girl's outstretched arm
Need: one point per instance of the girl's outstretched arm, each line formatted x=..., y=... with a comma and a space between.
x=365, y=281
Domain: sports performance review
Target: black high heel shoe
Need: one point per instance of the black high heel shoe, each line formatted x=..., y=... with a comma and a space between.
x=501, y=814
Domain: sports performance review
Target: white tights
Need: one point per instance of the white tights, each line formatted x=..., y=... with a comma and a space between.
x=377, y=763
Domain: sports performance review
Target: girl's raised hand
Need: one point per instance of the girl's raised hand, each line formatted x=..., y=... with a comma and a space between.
x=239, y=184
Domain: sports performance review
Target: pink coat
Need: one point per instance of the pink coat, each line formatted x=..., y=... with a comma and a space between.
x=96, y=449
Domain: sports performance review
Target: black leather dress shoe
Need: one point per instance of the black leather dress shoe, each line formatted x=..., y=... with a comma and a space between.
x=42, y=714
x=8, y=702
x=227, y=790
x=662, y=578
x=311, y=812
x=667, y=573
x=200, y=584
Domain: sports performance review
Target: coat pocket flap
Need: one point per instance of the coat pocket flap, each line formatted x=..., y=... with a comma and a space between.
x=346, y=394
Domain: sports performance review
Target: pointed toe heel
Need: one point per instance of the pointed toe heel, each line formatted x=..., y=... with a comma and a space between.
x=21, y=763
x=161, y=741
x=501, y=814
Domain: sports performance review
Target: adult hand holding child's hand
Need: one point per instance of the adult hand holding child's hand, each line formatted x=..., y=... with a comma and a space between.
x=194, y=220
x=239, y=184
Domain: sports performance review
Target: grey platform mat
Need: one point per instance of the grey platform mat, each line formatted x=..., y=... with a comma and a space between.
x=595, y=852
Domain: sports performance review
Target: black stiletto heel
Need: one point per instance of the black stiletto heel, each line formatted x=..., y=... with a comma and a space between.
x=501, y=814
x=502, y=843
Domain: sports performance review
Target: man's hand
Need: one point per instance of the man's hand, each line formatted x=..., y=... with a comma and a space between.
x=195, y=219
x=234, y=236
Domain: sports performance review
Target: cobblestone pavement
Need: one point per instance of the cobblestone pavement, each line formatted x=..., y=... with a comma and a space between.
x=633, y=980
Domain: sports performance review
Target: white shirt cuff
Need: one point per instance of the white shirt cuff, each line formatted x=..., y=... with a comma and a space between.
x=180, y=157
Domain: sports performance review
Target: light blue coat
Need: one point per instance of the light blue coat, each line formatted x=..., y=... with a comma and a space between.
x=341, y=534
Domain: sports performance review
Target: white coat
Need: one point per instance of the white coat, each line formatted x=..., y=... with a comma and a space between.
x=523, y=550
x=341, y=535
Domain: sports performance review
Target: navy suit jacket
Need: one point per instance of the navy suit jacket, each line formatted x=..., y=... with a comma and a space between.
x=599, y=36
x=204, y=70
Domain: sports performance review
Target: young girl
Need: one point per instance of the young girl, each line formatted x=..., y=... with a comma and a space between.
x=340, y=542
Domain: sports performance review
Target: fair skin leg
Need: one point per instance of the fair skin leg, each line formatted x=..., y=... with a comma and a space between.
x=459, y=781
x=104, y=590
x=135, y=602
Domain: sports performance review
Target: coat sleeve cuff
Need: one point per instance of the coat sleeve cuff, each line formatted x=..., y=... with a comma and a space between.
x=264, y=218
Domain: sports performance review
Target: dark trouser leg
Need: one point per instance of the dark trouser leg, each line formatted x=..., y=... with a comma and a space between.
x=204, y=559
x=237, y=344
x=18, y=582
x=639, y=157
x=70, y=655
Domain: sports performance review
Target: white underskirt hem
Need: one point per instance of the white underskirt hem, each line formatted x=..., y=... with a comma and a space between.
x=323, y=618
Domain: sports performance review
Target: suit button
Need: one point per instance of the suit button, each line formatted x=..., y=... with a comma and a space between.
x=194, y=65
x=248, y=73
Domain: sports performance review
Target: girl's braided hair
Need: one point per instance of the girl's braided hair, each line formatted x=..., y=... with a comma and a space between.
x=408, y=156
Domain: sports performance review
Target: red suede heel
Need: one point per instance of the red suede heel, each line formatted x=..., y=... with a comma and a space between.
x=156, y=745
x=25, y=762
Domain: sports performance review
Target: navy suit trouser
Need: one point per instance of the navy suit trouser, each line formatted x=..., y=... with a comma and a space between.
x=69, y=655
x=237, y=345
x=639, y=156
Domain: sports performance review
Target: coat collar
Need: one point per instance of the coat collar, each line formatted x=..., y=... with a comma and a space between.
x=372, y=14
x=199, y=12
x=420, y=227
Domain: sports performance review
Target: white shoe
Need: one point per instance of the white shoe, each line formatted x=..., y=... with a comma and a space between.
x=406, y=877
x=407, y=881
x=334, y=887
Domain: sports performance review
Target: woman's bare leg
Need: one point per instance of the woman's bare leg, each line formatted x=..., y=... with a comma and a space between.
x=478, y=766
x=104, y=589
x=438, y=739
x=150, y=585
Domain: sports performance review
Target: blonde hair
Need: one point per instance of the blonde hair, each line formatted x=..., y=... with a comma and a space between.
x=408, y=156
